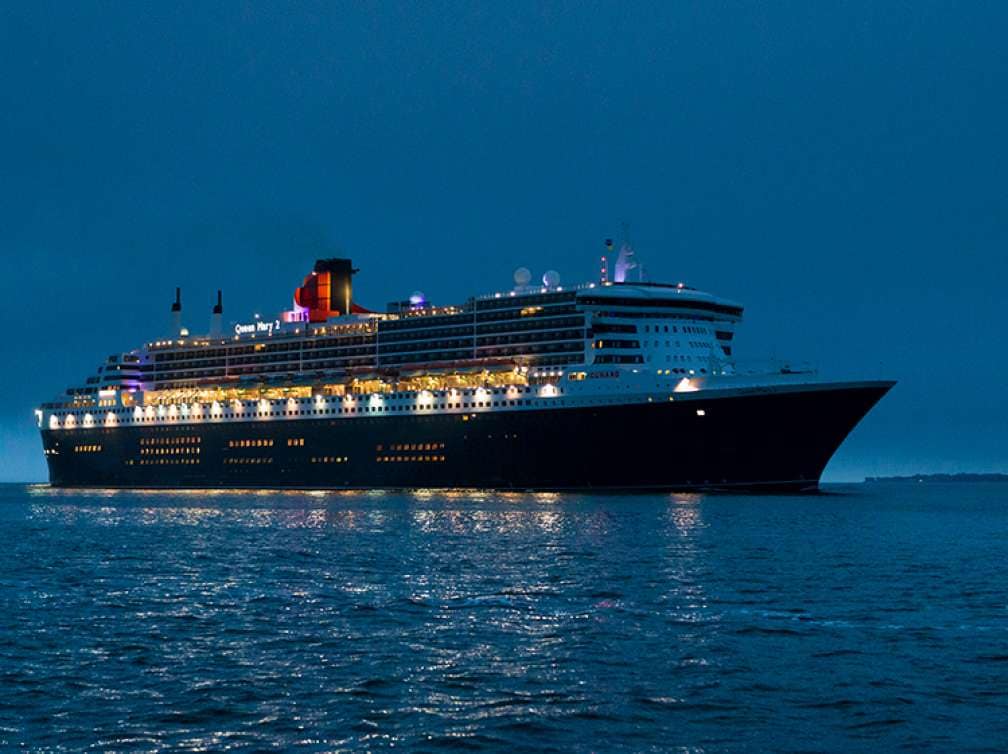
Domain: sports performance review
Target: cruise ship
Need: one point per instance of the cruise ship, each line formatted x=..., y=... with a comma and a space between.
x=615, y=384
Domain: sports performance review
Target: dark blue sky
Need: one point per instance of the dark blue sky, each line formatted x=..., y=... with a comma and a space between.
x=839, y=168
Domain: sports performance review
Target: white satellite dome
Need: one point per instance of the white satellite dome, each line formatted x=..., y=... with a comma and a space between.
x=522, y=276
x=551, y=278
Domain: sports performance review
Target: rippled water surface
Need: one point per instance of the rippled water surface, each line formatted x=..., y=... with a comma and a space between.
x=868, y=620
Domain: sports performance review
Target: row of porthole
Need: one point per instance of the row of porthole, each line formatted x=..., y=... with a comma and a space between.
x=257, y=443
x=413, y=446
x=184, y=450
x=391, y=459
x=165, y=462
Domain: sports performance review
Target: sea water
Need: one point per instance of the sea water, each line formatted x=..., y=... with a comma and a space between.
x=871, y=619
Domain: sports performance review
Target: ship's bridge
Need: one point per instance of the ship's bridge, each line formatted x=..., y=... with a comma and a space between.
x=672, y=327
x=654, y=297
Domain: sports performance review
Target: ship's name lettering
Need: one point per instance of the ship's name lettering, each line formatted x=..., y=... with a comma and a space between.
x=609, y=374
x=256, y=327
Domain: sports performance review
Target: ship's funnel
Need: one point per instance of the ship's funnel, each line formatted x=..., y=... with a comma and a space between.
x=328, y=291
x=216, y=318
x=176, y=314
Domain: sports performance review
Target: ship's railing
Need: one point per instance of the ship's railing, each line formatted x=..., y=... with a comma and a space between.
x=772, y=366
x=532, y=290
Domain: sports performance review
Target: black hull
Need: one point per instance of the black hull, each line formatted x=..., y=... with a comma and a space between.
x=774, y=440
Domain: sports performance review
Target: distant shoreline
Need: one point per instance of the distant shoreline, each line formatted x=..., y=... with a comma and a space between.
x=940, y=478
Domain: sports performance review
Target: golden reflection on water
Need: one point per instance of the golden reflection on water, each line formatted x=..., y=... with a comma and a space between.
x=460, y=512
x=428, y=510
x=45, y=491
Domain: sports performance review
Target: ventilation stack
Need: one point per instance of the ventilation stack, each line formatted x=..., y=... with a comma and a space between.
x=217, y=317
x=176, y=314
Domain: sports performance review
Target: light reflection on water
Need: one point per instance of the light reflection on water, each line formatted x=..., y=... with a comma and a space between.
x=431, y=511
x=437, y=619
